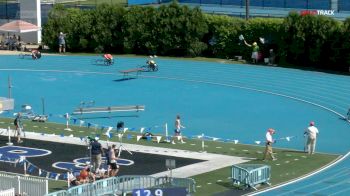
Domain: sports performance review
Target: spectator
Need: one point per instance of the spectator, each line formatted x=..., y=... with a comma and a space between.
x=255, y=51
x=178, y=127
x=272, y=57
x=96, y=154
x=311, y=133
x=84, y=176
x=102, y=173
x=62, y=42
x=2, y=40
x=72, y=180
x=269, y=141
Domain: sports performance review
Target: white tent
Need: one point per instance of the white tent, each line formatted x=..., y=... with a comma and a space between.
x=19, y=26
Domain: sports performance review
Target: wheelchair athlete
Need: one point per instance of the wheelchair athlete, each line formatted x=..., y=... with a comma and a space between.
x=36, y=54
x=108, y=58
x=152, y=65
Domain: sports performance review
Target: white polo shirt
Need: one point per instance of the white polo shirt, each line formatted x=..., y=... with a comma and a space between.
x=312, y=132
x=269, y=137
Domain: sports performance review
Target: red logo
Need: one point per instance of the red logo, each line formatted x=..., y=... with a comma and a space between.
x=308, y=12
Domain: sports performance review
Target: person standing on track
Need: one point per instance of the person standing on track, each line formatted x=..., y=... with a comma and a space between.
x=269, y=142
x=311, y=132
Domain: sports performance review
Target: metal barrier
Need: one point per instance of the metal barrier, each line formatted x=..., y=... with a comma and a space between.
x=126, y=184
x=9, y=192
x=24, y=184
x=58, y=193
x=189, y=183
x=166, y=182
x=106, y=186
x=250, y=175
x=82, y=190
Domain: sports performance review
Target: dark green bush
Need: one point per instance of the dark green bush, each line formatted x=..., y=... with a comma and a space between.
x=174, y=30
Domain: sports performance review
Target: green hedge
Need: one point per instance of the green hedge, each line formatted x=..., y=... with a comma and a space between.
x=175, y=30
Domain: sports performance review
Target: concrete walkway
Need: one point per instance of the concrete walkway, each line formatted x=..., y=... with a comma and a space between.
x=212, y=161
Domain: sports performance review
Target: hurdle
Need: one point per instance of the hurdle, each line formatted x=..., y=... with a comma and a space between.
x=109, y=109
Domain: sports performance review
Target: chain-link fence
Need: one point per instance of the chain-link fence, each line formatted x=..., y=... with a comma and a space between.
x=337, y=5
x=10, y=9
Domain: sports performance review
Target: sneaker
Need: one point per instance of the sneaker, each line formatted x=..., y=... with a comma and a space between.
x=20, y=141
x=173, y=142
x=182, y=142
x=274, y=159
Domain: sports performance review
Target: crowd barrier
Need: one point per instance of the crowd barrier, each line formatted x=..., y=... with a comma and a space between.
x=58, y=193
x=126, y=184
x=24, y=184
x=8, y=192
x=250, y=175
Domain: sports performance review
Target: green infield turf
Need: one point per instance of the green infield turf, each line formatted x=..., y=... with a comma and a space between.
x=291, y=163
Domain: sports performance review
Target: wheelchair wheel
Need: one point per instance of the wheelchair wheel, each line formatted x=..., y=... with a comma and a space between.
x=108, y=63
x=155, y=68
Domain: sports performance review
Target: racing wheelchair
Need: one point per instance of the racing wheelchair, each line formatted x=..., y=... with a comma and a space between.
x=151, y=65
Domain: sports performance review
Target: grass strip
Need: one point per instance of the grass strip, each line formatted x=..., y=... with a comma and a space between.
x=291, y=164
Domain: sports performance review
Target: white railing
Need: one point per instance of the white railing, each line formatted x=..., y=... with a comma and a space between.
x=8, y=192
x=24, y=185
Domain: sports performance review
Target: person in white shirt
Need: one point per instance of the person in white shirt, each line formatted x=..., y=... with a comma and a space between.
x=311, y=133
x=113, y=161
x=269, y=141
x=178, y=127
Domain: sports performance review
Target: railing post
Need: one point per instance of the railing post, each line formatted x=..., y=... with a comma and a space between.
x=46, y=186
x=19, y=184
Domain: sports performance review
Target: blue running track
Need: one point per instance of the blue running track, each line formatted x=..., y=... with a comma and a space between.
x=218, y=99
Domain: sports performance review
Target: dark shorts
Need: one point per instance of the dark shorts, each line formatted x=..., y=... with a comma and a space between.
x=177, y=132
x=74, y=183
x=114, y=166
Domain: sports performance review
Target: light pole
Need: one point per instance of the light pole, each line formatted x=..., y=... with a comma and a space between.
x=247, y=9
x=6, y=10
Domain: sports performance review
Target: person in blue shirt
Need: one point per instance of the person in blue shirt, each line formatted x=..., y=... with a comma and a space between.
x=96, y=154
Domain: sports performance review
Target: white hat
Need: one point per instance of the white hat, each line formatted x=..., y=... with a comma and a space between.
x=61, y=33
